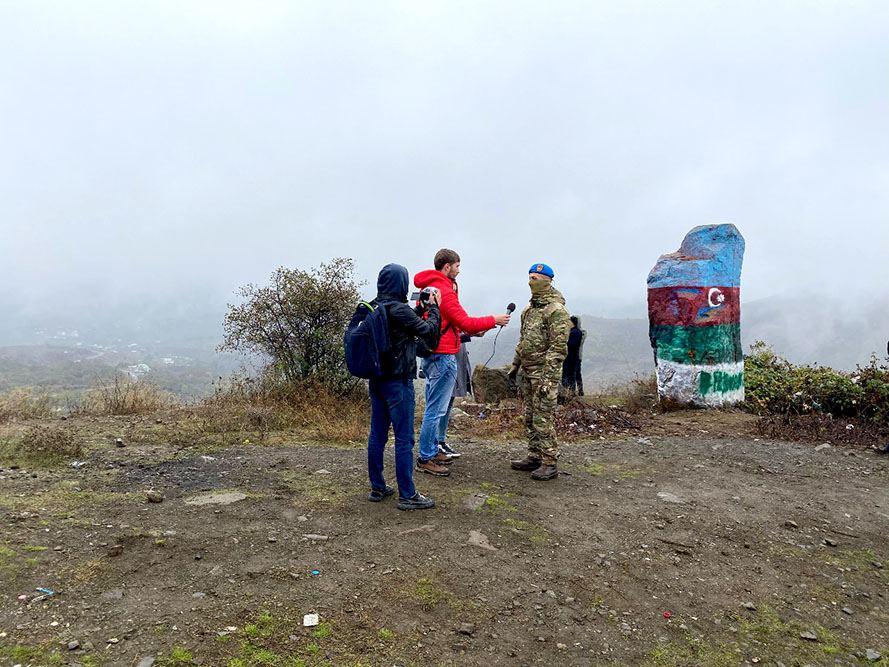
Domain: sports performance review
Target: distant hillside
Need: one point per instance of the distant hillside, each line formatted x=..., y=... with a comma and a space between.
x=805, y=330
x=810, y=329
x=69, y=347
x=189, y=372
x=615, y=349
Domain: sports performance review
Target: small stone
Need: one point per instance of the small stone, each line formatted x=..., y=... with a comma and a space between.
x=823, y=446
x=877, y=564
x=749, y=606
x=199, y=595
x=467, y=629
x=829, y=542
x=118, y=442
x=147, y=661
x=848, y=611
x=198, y=556
x=226, y=498
x=73, y=645
x=541, y=639
x=316, y=538
x=115, y=551
x=114, y=640
x=272, y=539
x=154, y=496
x=479, y=539
x=872, y=655
x=57, y=548
x=668, y=497
x=808, y=635
x=561, y=646
x=790, y=523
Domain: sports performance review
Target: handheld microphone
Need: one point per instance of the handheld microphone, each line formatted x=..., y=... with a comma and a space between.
x=509, y=310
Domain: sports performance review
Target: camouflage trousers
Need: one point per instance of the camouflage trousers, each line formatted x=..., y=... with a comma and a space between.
x=540, y=397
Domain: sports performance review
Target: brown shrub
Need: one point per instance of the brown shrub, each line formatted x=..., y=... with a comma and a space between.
x=823, y=428
x=48, y=443
x=635, y=396
x=259, y=407
x=24, y=403
x=122, y=396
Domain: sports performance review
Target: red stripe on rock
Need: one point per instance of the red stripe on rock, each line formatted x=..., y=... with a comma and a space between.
x=694, y=306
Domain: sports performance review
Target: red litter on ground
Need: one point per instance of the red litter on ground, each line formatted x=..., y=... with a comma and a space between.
x=668, y=615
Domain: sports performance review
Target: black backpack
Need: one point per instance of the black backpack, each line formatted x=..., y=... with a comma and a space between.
x=365, y=341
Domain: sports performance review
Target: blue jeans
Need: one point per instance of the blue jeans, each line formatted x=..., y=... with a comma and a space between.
x=441, y=376
x=392, y=404
x=443, y=423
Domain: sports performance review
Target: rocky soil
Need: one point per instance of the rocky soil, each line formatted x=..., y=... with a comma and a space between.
x=685, y=542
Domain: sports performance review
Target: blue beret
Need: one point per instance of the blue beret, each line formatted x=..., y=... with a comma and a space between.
x=543, y=269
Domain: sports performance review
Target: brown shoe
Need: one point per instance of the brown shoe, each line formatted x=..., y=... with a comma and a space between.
x=545, y=472
x=442, y=459
x=526, y=463
x=432, y=468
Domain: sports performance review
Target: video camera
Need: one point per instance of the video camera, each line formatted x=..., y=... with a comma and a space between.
x=424, y=295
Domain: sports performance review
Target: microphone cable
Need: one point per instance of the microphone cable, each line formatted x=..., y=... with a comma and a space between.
x=509, y=311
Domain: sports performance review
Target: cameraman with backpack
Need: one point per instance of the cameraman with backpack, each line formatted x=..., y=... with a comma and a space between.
x=391, y=385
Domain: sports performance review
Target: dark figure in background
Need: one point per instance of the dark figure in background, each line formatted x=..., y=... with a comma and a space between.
x=392, y=396
x=572, y=377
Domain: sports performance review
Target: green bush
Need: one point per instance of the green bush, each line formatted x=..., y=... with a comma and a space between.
x=296, y=323
x=775, y=386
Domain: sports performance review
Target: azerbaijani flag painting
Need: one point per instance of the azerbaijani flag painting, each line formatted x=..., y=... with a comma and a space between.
x=694, y=314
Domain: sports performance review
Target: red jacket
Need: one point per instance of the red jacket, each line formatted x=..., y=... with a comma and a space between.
x=453, y=317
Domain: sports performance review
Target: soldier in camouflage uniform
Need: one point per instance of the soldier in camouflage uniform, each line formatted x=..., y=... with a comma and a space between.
x=542, y=348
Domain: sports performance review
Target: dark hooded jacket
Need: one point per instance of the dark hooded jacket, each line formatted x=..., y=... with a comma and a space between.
x=405, y=324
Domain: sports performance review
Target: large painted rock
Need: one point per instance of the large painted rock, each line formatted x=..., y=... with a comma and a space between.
x=694, y=314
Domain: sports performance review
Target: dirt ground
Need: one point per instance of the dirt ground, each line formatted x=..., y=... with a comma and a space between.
x=689, y=541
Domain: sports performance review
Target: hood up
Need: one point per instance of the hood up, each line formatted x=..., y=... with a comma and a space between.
x=393, y=283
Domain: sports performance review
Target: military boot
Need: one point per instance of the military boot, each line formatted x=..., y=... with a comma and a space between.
x=545, y=471
x=526, y=463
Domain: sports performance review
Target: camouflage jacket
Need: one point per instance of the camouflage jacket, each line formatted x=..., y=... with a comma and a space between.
x=543, y=343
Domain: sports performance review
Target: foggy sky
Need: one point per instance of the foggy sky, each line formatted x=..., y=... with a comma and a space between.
x=194, y=146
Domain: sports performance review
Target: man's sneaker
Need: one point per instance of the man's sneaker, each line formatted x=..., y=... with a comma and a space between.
x=526, y=463
x=432, y=468
x=545, y=472
x=417, y=502
x=448, y=451
x=376, y=495
x=442, y=459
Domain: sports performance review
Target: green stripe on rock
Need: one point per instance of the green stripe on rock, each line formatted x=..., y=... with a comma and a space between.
x=716, y=344
x=719, y=382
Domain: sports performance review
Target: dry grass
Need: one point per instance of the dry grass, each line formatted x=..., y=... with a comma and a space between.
x=638, y=395
x=43, y=444
x=311, y=410
x=121, y=396
x=24, y=403
x=823, y=428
